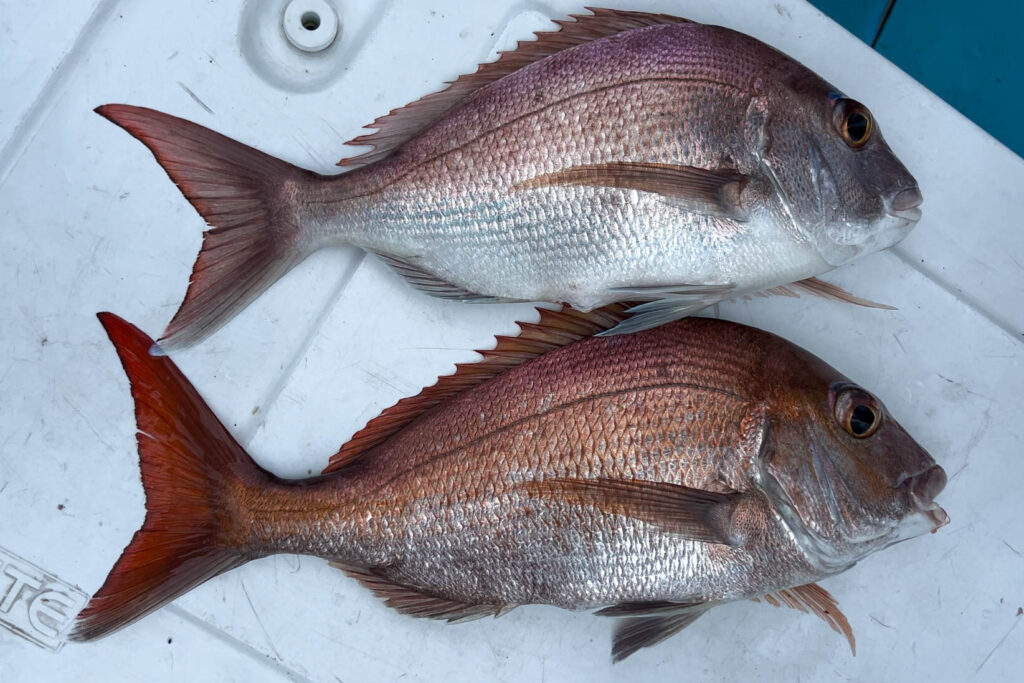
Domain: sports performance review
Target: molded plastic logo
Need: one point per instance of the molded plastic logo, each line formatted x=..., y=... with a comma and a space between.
x=34, y=603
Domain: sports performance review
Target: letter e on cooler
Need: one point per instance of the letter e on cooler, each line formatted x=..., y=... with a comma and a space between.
x=34, y=603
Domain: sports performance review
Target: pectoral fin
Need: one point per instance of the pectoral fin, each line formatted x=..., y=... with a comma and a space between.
x=714, y=191
x=692, y=513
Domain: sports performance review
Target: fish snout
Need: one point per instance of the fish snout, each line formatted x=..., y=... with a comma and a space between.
x=929, y=484
x=923, y=490
x=905, y=204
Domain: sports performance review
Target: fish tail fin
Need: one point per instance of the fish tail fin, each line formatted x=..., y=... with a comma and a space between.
x=196, y=477
x=250, y=200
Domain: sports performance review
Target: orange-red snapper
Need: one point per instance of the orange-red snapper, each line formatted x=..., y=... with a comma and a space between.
x=649, y=476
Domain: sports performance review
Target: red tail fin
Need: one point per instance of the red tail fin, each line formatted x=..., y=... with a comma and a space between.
x=249, y=200
x=192, y=472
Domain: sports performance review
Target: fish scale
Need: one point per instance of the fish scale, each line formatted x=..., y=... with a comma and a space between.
x=652, y=475
x=558, y=252
x=627, y=156
x=464, y=494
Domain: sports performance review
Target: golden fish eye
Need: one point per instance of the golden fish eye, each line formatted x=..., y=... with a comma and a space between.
x=862, y=420
x=858, y=412
x=855, y=124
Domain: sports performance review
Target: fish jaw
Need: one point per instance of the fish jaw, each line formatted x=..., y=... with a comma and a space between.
x=838, y=240
x=928, y=516
x=921, y=522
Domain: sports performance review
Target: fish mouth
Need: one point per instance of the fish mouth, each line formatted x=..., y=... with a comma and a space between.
x=923, y=489
x=905, y=204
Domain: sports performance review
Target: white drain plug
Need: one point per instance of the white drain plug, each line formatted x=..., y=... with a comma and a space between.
x=295, y=45
x=310, y=25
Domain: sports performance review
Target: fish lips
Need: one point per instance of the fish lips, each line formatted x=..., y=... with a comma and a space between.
x=905, y=204
x=927, y=515
x=923, y=490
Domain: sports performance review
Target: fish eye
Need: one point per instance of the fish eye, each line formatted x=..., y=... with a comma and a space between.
x=862, y=420
x=858, y=412
x=854, y=124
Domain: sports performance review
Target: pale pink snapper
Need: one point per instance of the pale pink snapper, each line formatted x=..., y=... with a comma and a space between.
x=649, y=476
x=624, y=156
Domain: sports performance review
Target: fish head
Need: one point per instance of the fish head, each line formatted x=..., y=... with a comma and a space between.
x=836, y=180
x=842, y=472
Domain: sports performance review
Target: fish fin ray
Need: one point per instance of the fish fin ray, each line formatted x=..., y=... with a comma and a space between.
x=401, y=125
x=713, y=191
x=781, y=290
x=245, y=196
x=827, y=290
x=416, y=602
x=813, y=598
x=433, y=285
x=556, y=328
x=692, y=513
x=635, y=633
x=654, y=313
x=190, y=466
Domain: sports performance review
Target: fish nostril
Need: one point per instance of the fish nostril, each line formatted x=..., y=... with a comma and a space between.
x=907, y=199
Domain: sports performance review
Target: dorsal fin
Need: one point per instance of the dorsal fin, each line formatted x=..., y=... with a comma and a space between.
x=554, y=329
x=404, y=123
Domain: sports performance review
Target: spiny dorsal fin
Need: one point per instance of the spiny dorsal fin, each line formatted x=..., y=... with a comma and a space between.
x=554, y=329
x=404, y=123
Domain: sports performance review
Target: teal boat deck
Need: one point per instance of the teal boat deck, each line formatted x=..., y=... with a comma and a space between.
x=966, y=54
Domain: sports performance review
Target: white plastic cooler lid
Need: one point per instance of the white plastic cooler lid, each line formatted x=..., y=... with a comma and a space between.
x=91, y=223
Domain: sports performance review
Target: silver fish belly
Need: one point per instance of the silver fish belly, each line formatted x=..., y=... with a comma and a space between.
x=626, y=157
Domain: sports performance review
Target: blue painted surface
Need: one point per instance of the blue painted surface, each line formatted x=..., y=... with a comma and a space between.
x=859, y=17
x=967, y=53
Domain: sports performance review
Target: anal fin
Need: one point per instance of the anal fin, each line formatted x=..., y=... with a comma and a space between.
x=431, y=284
x=416, y=602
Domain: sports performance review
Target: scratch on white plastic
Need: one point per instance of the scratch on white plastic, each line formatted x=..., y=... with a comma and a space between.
x=34, y=603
